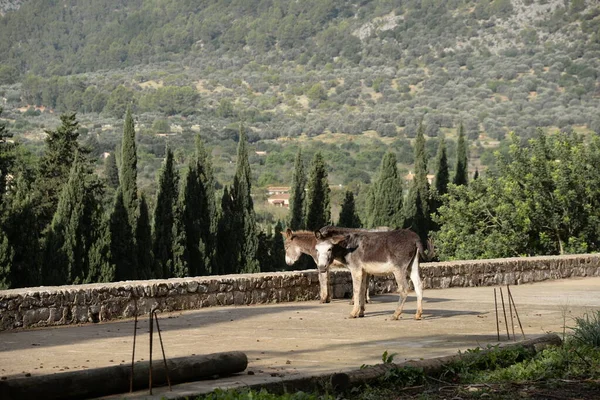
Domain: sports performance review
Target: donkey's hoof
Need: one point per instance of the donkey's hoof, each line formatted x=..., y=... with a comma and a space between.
x=327, y=300
x=396, y=317
x=418, y=317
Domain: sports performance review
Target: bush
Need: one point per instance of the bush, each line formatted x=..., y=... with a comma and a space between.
x=587, y=329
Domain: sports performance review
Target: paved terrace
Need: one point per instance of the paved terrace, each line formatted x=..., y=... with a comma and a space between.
x=303, y=338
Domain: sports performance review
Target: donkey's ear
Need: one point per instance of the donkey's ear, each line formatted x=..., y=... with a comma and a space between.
x=318, y=235
x=287, y=234
x=339, y=240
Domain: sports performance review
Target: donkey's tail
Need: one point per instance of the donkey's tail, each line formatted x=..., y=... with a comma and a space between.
x=429, y=253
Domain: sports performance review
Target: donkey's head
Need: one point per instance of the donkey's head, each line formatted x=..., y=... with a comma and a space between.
x=325, y=249
x=292, y=249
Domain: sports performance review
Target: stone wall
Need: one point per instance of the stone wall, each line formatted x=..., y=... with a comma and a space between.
x=63, y=305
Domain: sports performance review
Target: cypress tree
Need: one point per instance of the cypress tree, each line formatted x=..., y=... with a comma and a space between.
x=164, y=218
x=7, y=155
x=111, y=172
x=277, y=249
x=55, y=165
x=442, y=178
x=199, y=213
x=417, y=204
x=143, y=236
x=74, y=227
x=387, y=195
x=128, y=178
x=6, y=260
x=181, y=259
x=348, y=216
x=244, y=217
x=21, y=227
x=461, y=172
x=297, y=193
x=263, y=252
x=122, y=241
x=101, y=267
x=318, y=212
x=227, y=242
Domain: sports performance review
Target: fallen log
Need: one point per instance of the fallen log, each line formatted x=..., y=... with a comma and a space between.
x=345, y=380
x=116, y=379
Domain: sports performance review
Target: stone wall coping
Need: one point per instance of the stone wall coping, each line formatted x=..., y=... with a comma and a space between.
x=99, y=302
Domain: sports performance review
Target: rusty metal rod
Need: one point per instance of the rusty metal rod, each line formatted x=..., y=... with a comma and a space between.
x=504, y=311
x=497, y=324
x=163, y=350
x=510, y=296
x=133, y=352
x=150, y=361
x=512, y=321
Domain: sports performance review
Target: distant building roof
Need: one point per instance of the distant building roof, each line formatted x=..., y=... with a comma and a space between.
x=278, y=189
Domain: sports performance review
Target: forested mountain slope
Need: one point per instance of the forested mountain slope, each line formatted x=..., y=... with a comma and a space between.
x=289, y=68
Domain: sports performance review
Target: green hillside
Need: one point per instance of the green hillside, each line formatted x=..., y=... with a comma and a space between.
x=293, y=69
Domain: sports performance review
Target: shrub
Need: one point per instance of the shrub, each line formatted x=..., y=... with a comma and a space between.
x=587, y=329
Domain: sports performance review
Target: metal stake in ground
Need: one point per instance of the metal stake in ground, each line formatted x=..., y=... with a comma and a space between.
x=510, y=298
x=133, y=352
x=512, y=321
x=497, y=324
x=163, y=351
x=150, y=361
x=504, y=311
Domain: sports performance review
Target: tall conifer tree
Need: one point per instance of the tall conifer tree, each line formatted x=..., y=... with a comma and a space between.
x=74, y=227
x=297, y=194
x=55, y=165
x=6, y=259
x=245, y=218
x=7, y=155
x=461, y=173
x=348, y=216
x=386, y=199
x=417, y=205
x=199, y=213
x=143, y=236
x=101, y=267
x=277, y=249
x=181, y=256
x=111, y=172
x=318, y=213
x=442, y=178
x=21, y=228
x=227, y=242
x=164, y=217
x=122, y=241
x=128, y=178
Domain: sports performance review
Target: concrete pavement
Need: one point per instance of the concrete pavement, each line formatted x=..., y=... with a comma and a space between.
x=305, y=338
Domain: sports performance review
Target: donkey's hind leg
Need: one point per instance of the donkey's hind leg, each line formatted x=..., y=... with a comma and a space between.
x=415, y=277
x=402, y=291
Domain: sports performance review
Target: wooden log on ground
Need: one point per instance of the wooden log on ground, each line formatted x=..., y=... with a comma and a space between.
x=113, y=380
x=345, y=380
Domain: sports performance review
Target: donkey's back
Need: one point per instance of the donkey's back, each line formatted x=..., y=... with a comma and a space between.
x=382, y=252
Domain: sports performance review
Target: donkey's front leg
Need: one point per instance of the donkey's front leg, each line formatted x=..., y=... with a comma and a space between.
x=358, y=295
x=324, y=287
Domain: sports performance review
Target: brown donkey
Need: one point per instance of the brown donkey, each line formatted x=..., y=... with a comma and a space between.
x=297, y=243
x=377, y=253
x=303, y=242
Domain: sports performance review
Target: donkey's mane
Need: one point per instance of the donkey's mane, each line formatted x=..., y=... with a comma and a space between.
x=303, y=232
